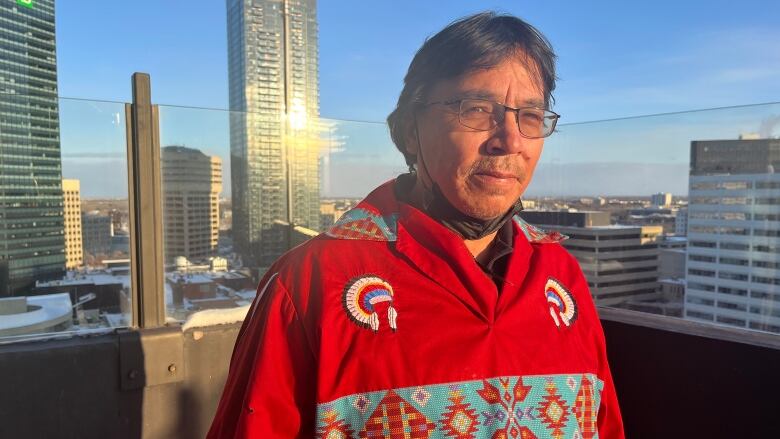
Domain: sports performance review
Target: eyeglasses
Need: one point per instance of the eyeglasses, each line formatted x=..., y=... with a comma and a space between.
x=484, y=115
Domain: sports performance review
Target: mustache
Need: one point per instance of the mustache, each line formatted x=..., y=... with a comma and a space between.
x=497, y=164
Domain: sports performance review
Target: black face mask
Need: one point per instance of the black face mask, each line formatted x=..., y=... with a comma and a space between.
x=436, y=205
x=440, y=209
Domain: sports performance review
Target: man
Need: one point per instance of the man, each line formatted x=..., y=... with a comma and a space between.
x=431, y=309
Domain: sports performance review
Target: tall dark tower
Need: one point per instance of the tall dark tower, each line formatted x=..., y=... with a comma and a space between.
x=272, y=67
x=32, y=244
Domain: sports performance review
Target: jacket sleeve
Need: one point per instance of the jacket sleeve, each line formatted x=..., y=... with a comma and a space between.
x=609, y=421
x=270, y=389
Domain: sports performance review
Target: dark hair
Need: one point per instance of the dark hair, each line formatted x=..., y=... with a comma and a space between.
x=479, y=41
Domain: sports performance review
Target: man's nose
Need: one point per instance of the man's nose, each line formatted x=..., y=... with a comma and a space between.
x=507, y=138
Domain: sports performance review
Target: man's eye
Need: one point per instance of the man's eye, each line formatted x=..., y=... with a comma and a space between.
x=477, y=108
x=532, y=116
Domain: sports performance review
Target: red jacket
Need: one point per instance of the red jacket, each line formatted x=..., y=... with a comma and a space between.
x=385, y=326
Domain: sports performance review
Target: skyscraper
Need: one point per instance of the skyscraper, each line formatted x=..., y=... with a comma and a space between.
x=74, y=251
x=32, y=242
x=191, y=183
x=733, y=260
x=272, y=68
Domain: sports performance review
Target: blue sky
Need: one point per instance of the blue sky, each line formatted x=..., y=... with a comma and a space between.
x=616, y=59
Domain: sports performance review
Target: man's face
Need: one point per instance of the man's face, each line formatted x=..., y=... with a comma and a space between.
x=481, y=173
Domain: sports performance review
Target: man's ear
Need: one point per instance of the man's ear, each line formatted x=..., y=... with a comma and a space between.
x=411, y=139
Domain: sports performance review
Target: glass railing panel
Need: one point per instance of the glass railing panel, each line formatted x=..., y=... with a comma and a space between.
x=240, y=189
x=358, y=157
x=64, y=235
x=619, y=189
x=675, y=214
x=195, y=184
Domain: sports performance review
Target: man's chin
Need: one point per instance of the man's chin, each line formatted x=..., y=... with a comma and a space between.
x=485, y=213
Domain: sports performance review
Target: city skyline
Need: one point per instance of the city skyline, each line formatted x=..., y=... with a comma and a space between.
x=655, y=147
x=643, y=155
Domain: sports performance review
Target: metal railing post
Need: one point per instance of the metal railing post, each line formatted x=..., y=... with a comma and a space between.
x=146, y=246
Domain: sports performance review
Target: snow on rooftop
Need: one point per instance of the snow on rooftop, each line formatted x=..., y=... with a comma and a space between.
x=671, y=280
x=96, y=278
x=42, y=312
x=210, y=317
x=246, y=294
x=117, y=320
x=225, y=275
x=190, y=278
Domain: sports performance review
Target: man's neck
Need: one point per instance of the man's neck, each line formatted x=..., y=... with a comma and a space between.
x=477, y=247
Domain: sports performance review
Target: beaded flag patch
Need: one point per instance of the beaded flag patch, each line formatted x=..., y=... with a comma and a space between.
x=363, y=224
x=362, y=294
x=563, y=308
x=537, y=235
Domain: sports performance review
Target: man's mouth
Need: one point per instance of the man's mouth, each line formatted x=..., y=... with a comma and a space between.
x=497, y=175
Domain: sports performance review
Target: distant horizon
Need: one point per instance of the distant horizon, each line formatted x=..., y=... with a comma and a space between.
x=627, y=156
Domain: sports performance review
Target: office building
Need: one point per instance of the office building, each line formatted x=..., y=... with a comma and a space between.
x=620, y=263
x=74, y=252
x=274, y=137
x=331, y=211
x=191, y=183
x=652, y=216
x=662, y=199
x=96, y=231
x=681, y=222
x=32, y=243
x=733, y=259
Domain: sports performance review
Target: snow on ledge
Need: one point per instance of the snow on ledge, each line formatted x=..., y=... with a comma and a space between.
x=211, y=317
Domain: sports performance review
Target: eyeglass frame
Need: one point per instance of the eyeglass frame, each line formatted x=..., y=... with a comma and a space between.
x=516, y=110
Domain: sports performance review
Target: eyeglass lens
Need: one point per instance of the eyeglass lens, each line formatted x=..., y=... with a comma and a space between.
x=485, y=115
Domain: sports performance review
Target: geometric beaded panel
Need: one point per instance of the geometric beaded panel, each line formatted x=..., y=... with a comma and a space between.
x=534, y=406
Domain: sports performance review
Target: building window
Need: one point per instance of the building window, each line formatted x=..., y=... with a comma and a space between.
x=733, y=276
x=734, y=261
x=731, y=305
x=764, y=327
x=768, y=185
x=767, y=264
x=700, y=301
x=764, y=295
x=731, y=321
x=698, y=272
x=698, y=315
x=734, y=246
x=700, y=286
x=732, y=291
x=766, y=280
